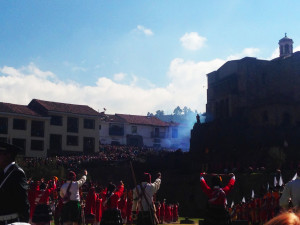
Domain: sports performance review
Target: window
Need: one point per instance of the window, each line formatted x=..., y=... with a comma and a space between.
x=287, y=49
x=89, y=124
x=55, y=142
x=37, y=145
x=99, y=127
x=3, y=125
x=134, y=129
x=174, y=132
x=21, y=143
x=56, y=120
x=88, y=144
x=19, y=124
x=116, y=129
x=72, y=140
x=37, y=128
x=72, y=125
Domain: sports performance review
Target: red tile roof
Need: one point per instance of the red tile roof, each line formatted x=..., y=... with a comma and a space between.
x=143, y=120
x=67, y=108
x=18, y=109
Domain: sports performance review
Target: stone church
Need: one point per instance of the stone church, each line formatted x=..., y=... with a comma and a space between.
x=252, y=102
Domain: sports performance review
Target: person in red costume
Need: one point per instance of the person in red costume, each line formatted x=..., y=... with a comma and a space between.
x=216, y=213
x=175, y=212
x=34, y=187
x=129, y=207
x=157, y=206
x=111, y=213
x=98, y=209
x=162, y=211
x=42, y=213
x=122, y=206
x=90, y=206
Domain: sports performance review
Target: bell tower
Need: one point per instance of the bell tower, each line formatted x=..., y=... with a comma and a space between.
x=285, y=46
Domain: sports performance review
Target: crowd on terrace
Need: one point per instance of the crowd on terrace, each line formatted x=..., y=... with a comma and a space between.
x=106, y=153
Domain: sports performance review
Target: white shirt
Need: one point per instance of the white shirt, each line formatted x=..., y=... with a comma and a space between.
x=74, y=189
x=291, y=190
x=150, y=190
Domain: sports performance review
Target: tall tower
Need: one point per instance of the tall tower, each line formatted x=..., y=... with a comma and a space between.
x=285, y=46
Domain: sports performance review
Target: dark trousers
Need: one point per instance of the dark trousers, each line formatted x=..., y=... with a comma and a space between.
x=145, y=218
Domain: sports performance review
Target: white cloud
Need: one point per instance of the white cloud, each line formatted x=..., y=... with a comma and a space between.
x=192, y=41
x=297, y=48
x=247, y=52
x=145, y=30
x=119, y=76
x=187, y=87
x=275, y=54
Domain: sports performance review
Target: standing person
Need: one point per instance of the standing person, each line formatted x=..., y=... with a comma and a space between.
x=129, y=207
x=112, y=214
x=42, y=213
x=162, y=211
x=216, y=210
x=14, y=204
x=90, y=206
x=143, y=200
x=291, y=191
x=69, y=191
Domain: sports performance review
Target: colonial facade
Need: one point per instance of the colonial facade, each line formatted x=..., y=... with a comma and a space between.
x=44, y=128
x=137, y=130
x=50, y=128
x=252, y=104
x=262, y=92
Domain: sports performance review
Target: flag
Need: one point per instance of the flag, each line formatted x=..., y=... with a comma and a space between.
x=275, y=182
x=280, y=181
x=244, y=200
x=268, y=186
x=252, y=194
x=294, y=178
x=232, y=204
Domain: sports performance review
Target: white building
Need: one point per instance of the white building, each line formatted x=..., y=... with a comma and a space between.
x=50, y=128
x=137, y=130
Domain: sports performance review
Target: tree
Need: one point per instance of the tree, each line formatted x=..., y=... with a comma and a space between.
x=159, y=114
x=150, y=114
x=177, y=111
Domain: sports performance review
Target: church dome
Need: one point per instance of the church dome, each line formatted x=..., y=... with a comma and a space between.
x=285, y=46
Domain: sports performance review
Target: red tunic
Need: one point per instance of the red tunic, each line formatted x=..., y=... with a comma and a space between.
x=217, y=195
x=43, y=196
x=114, y=199
x=99, y=209
x=90, y=203
x=162, y=212
x=31, y=198
x=175, y=212
x=122, y=206
x=168, y=214
x=128, y=210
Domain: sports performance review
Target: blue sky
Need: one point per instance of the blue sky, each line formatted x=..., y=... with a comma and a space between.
x=132, y=56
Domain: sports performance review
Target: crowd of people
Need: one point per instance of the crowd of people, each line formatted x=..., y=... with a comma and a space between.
x=107, y=153
x=47, y=200
x=73, y=201
x=257, y=210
